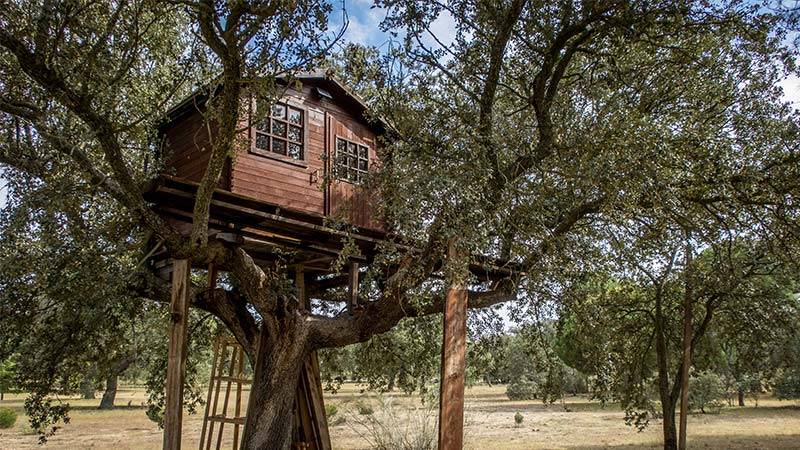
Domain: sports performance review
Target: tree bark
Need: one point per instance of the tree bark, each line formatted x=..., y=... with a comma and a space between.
x=687, y=342
x=110, y=394
x=740, y=395
x=283, y=346
x=670, y=429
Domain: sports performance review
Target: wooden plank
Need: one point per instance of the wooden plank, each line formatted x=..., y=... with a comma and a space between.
x=176, y=363
x=208, y=397
x=454, y=337
x=237, y=412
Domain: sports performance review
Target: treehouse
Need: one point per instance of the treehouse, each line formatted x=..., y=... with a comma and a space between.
x=292, y=194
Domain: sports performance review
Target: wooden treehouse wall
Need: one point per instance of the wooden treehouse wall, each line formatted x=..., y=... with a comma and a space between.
x=306, y=185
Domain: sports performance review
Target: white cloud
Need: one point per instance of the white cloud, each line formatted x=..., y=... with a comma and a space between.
x=791, y=90
x=444, y=28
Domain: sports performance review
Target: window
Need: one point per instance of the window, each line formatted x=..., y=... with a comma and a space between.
x=352, y=161
x=280, y=132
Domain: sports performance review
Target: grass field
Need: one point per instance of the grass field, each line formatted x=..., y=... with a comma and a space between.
x=490, y=424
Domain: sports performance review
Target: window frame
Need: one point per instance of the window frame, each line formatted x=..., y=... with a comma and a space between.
x=335, y=159
x=268, y=153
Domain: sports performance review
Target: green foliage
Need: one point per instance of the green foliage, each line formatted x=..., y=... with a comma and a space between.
x=706, y=391
x=8, y=417
x=331, y=411
x=787, y=384
x=522, y=389
x=7, y=375
x=518, y=418
x=365, y=409
x=406, y=357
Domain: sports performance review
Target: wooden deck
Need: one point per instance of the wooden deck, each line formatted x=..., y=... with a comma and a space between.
x=269, y=232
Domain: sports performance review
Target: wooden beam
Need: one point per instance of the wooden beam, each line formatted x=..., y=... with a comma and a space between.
x=352, y=298
x=176, y=364
x=300, y=284
x=454, y=337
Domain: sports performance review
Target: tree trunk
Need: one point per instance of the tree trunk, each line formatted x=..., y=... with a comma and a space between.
x=281, y=351
x=740, y=395
x=110, y=393
x=670, y=430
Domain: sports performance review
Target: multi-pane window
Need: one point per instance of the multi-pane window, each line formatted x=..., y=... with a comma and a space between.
x=280, y=132
x=352, y=161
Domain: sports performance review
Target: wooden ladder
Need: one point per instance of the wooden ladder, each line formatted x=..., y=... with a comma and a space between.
x=310, y=423
x=227, y=367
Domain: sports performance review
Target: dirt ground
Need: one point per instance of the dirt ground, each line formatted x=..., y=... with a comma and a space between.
x=490, y=424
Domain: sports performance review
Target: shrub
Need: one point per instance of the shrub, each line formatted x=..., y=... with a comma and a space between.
x=7, y=417
x=521, y=389
x=364, y=409
x=331, y=411
x=396, y=428
x=706, y=391
x=518, y=418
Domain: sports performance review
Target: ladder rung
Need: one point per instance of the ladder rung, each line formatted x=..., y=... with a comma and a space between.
x=234, y=420
x=231, y=379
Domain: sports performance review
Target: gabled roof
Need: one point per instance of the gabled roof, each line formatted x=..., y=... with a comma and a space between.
x=325, y=79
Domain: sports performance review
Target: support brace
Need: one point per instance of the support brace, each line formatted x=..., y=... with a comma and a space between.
x=454, y=337
x=176, y=363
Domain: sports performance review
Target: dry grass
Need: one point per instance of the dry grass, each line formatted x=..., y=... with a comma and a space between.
x=489, y=425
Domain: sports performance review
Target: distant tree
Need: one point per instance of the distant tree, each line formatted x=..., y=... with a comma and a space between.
x=7, y=376
x=626, y=331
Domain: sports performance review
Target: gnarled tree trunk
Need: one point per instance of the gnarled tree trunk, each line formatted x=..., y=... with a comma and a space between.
x=283, y=346
x=110, y=394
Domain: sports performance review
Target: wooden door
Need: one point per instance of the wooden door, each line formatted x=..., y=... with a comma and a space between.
x=350, y=155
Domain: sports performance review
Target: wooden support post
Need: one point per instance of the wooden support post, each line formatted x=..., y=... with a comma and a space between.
x=352, y=301
x=300, y=284
x=312, y=424
x=179, y=310
x=454, y=337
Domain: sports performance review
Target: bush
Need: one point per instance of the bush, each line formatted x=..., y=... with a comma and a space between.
x=787, y=384
x=7, y=417
x=518, y=418
x=705, y=392
x=397, y=428
x=331, y=411
x=364, y=409
x=521, y=389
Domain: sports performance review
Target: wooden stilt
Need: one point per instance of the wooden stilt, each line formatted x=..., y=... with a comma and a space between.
x=454, y=337
x=179, y=309
x=312, y=424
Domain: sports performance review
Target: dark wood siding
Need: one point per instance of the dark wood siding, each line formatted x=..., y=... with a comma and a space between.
x=345, y=200
x=297, y=185
x=187, y=148
x=292, y=184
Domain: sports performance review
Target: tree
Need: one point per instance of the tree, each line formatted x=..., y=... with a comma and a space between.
x=535, y=121
x=626, y=331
